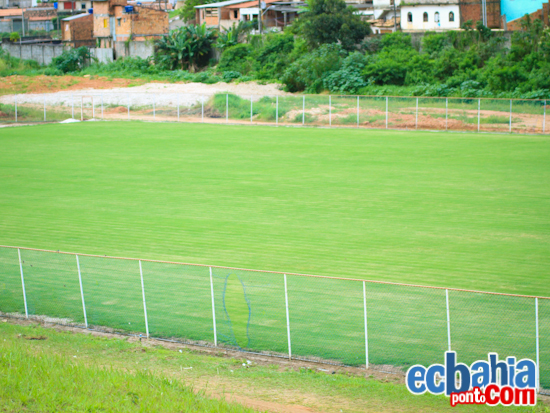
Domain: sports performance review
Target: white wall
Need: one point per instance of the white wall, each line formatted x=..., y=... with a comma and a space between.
x=380, y=5
x=418, y=19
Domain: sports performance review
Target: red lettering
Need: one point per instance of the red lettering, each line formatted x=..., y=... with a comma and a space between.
x=490, y=400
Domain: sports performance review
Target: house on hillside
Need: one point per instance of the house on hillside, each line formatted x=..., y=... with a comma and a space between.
x=226, y=13
x=78, y=30
x=115, y=20
x=424, y=15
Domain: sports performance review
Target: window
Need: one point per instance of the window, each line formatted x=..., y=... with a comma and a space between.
x=436, y=17
x=451, y=16
x=235, y=14
x=119, y=21
x=409, y=17
x=425, y=17
x=83, y=6
x=211, y=12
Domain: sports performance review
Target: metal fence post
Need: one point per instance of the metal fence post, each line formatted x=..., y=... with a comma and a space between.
x=446, y=113
x=73, y=116
x=213, y=308
x=227, y=107
x=386, y=112
x=202, y=109
x=44, y=108
x=154, y=111
x=287, y=323
x=544, y=117
x=277, y=110
x=251, y=108
x=303, y=110
x=357, y=111
x=102, y=117
x=330, y=110
x=144, y=305
x=82, y=293
x=366, y=331
x=81, y=108
x=416, y=122
x=72, y=103
x=178, y=104
x=448, y=319
x=537, y=340
x=510, y=115
x=93, y=108
x=478, y=113
x=23, y=283
x=128, y=106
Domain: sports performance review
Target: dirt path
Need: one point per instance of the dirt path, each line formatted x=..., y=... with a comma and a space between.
x=63, y=90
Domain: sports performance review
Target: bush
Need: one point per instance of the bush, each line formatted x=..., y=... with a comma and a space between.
x=308, y=72
x=230, y=75
x=14, y=37
x=348, y=79
x=71, y=60
x=234, y=58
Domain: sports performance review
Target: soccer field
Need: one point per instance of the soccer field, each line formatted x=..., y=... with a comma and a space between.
x=454, y=210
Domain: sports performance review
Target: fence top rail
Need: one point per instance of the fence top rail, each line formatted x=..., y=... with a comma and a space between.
x=101, y=93
x=280, y=273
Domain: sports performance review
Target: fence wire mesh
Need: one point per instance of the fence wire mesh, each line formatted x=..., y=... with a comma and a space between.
x=378, y=112
x=311, y=318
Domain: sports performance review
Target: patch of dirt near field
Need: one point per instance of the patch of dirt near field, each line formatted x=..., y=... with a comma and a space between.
x=17, y=84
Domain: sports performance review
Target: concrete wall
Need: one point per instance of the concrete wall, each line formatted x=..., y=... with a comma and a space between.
x=134, y=49
x=41, y=53
x=104, y=55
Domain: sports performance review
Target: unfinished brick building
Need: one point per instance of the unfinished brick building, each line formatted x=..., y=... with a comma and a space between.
x=115, y=20
x=473, y=10
x=78, y=30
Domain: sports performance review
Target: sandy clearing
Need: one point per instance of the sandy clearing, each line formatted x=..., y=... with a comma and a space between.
x=186, y=94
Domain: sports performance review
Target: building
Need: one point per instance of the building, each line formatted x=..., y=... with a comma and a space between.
x=226, y=13
x=78, y=30
x=543, y=14
x=487, y=12
x=115, y=20
x=77, y=6
x=432, y=15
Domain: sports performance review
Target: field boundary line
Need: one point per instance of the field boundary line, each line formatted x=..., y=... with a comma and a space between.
x=281, y=273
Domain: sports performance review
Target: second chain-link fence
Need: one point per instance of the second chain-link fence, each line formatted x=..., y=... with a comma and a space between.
x=380, y=112
x=329, y=320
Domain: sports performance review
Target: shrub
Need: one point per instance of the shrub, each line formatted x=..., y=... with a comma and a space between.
x=14, y=37
x=308, y=72
x=348, y=79
x=71, y=60
x=234, y=58
x=230, y=75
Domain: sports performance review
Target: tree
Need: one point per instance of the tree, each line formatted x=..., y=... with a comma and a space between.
x=185, y=46
x=233, y=36
x=332, y=21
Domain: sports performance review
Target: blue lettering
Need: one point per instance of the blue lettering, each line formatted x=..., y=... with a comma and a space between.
x=415, y=379
x=452, y=368
x=500, y=365
x=481, y=372
x=430, y=379
x=527, y=374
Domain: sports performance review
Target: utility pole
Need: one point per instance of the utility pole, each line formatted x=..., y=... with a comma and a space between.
x=23, y=22
x=394, y=16
x=260, y=16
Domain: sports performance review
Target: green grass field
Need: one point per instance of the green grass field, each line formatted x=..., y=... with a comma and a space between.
x=454, y=210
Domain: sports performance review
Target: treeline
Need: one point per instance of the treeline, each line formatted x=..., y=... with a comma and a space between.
x=328, y=49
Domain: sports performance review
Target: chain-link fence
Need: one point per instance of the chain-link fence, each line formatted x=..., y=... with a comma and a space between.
x=323, y=319
x=380, y=112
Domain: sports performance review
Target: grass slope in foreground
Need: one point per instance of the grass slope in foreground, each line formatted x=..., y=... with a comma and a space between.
x=455, y=210
x=78, y=372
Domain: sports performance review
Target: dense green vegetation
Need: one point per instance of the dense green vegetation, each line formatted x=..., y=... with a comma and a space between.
x=326, y=50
